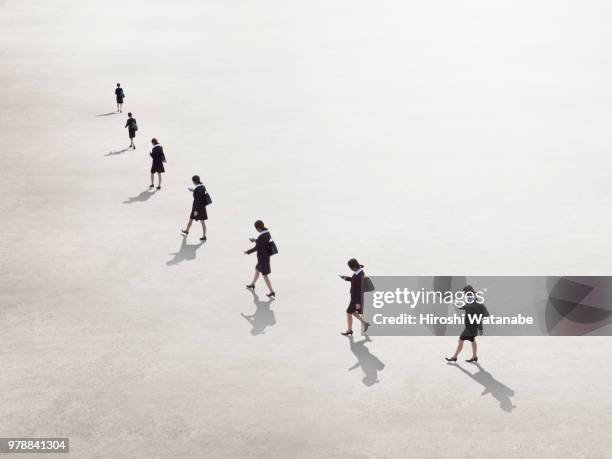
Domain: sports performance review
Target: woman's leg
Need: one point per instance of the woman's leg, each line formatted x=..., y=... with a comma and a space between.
x=359, y=318
x=474, y=349
x=459, y=347
x=118, y=107
x=159, y=180
x=255, y=278
x=152, y=175
x=268, y=283
x=203, y=228
x=349, y=322
x=189, y=224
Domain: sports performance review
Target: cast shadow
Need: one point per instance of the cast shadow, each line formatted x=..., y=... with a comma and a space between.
x=497, y=389
x=262, y=317
x=369, y=363
x=142, y=197
x=107, y=114
x=117, y=152
x=186, y=252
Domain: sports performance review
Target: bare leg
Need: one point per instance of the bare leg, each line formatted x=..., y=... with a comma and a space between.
x=118, y=107
x=358, y=317
x=203, y=228
x=255, y=277
x=349, y=322
x=459, y=347
x=158, y=179
x=268, y=283
x=474, y=348
x=152, y=175
x=189, y=224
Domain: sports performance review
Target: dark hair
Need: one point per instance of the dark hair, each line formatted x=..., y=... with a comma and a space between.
x=118, y=85
x=354, y=264
x=259, y=225
x=130, y=114
x=196, y=179
x=154, y=141
x=469, y=288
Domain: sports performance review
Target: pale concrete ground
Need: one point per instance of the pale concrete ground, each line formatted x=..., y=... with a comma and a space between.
x=422, y=137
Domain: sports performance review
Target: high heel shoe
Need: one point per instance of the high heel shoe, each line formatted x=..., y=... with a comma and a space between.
x=271, y=295
x=472, y=360
x=366, y=326
x=251, y=286
x=347, y=333
x=184, y=232
x=451, y=359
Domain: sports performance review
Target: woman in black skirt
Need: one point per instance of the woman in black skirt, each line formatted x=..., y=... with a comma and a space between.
x=198, y=209
x=132, y=128
x=157, y=153
x=355, y=308
x=262, y=247
x=472, y=310
x=119, y=95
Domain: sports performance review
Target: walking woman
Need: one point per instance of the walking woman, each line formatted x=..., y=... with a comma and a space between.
x=262, y=247
x=473, y=313
x=119, y=95
x=198, y=209
x=355, y=308
x=132, y=128
x=157, y=153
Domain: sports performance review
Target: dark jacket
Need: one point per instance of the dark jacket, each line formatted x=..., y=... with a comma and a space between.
x=119, y=94
x=262, y=246
x=199, y=201
x=473, y=315
x=157, y=153
x=131, y=124
x=356, y=281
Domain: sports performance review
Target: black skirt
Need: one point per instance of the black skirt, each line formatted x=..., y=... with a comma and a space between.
x=202, y=214
x=157, y=166
x=353, y=308
x=132, y=133
x=119, y=100
x=469, y=333
x=263, y=266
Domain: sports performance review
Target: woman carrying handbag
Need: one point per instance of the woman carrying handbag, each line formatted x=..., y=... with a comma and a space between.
x=265, y=248
x=355, y=308
x=198, y=209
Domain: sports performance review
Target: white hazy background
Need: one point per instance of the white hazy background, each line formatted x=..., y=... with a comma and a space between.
x=423, y=138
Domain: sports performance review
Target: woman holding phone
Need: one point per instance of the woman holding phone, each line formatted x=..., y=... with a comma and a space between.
x=157, y=166
x=472, y=318
x=132, y=126
x=262, y=247
x=355, y=308
x=198, y=208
